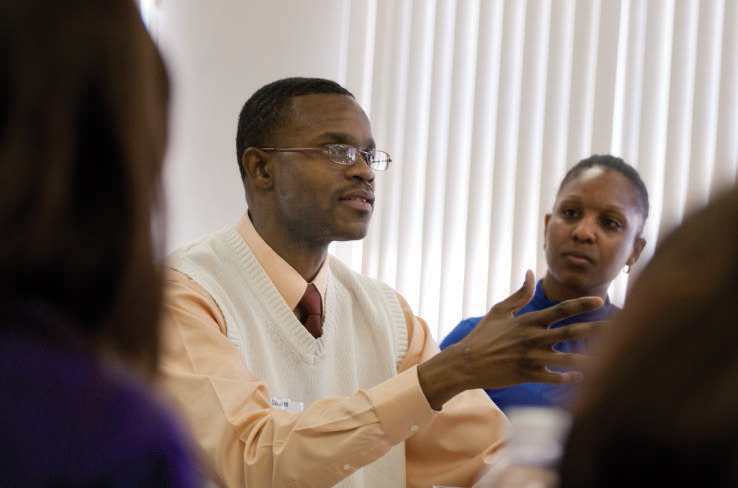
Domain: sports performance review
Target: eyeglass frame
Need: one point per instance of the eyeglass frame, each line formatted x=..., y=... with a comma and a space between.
x=326, y=151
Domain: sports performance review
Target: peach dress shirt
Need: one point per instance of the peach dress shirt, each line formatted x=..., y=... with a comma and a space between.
x=229, y=412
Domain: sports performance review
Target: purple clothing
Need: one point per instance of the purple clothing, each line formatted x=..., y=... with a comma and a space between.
x=67, y=419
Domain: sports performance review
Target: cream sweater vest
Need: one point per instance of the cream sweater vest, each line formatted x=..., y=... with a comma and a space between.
x=364, y=333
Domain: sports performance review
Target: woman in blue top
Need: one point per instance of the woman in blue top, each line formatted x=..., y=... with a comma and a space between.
x=593, y=232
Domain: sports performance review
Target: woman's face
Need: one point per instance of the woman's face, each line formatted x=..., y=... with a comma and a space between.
x=591, y=234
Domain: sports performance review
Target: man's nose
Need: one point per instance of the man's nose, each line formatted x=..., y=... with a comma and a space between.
x=360, y=170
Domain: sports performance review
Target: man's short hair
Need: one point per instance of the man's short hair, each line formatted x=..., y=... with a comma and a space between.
x=269, y=108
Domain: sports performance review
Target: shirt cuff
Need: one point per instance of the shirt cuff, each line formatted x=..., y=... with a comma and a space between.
x=401, y=406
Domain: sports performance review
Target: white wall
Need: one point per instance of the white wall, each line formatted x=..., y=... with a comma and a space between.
x=483, y=104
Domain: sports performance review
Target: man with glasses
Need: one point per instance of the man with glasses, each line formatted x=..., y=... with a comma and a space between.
x=293, y=370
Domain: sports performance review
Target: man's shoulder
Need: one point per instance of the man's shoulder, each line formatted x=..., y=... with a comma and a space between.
x=209, y=268
x=206, y=243
x=212, y=257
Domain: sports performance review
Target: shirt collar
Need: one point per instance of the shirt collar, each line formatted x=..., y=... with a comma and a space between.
x=289, y=283
x=541, y=301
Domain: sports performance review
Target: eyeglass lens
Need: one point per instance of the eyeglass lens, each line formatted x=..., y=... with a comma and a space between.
x=345, y=154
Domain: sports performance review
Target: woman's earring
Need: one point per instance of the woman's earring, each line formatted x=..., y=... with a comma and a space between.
x=626, y=269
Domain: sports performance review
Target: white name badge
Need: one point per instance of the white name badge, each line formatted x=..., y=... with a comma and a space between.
x=292, y=406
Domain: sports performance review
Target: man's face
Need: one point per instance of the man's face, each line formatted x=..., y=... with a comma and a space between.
x=592, y=232
x=318, y=201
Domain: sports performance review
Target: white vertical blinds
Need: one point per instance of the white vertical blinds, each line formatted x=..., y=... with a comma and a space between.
x=484, y=104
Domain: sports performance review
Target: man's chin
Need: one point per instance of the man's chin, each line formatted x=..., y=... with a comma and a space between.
x=352, y=234
x=353, y=237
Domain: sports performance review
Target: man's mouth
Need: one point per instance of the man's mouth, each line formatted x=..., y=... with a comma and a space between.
x=360, y=200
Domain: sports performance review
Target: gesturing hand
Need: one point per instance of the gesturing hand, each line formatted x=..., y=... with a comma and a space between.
x=503, y=350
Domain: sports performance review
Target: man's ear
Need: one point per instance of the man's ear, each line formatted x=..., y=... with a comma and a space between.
x=257, y=167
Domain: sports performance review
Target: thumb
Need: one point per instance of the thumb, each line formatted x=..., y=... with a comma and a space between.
x=516, y=301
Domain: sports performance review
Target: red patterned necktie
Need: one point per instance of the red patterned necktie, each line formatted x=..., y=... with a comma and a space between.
x=312, y=308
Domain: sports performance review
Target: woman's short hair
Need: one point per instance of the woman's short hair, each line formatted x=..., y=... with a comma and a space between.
x=616, y=164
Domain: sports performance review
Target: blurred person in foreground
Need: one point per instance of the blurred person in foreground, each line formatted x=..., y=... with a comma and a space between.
x=592, y=234
x=661, y=407
x=83, y=107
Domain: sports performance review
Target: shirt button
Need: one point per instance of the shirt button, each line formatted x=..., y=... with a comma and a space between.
x=346, y=467
x=413, y=428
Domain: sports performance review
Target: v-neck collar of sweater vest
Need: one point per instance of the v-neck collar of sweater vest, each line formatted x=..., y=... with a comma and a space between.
x=284, y=324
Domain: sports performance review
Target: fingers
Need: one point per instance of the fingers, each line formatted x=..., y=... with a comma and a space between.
x=571, y=364
x=516, y=301
x=563, y=310
x=582, y=330
x=566, y=361
x=554, y=378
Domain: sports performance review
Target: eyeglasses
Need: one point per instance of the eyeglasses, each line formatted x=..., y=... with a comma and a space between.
x=344, y=154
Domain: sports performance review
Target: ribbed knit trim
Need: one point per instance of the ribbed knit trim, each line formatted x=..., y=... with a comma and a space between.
x=397, y=326
x=272, y=310
x=280, y=317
